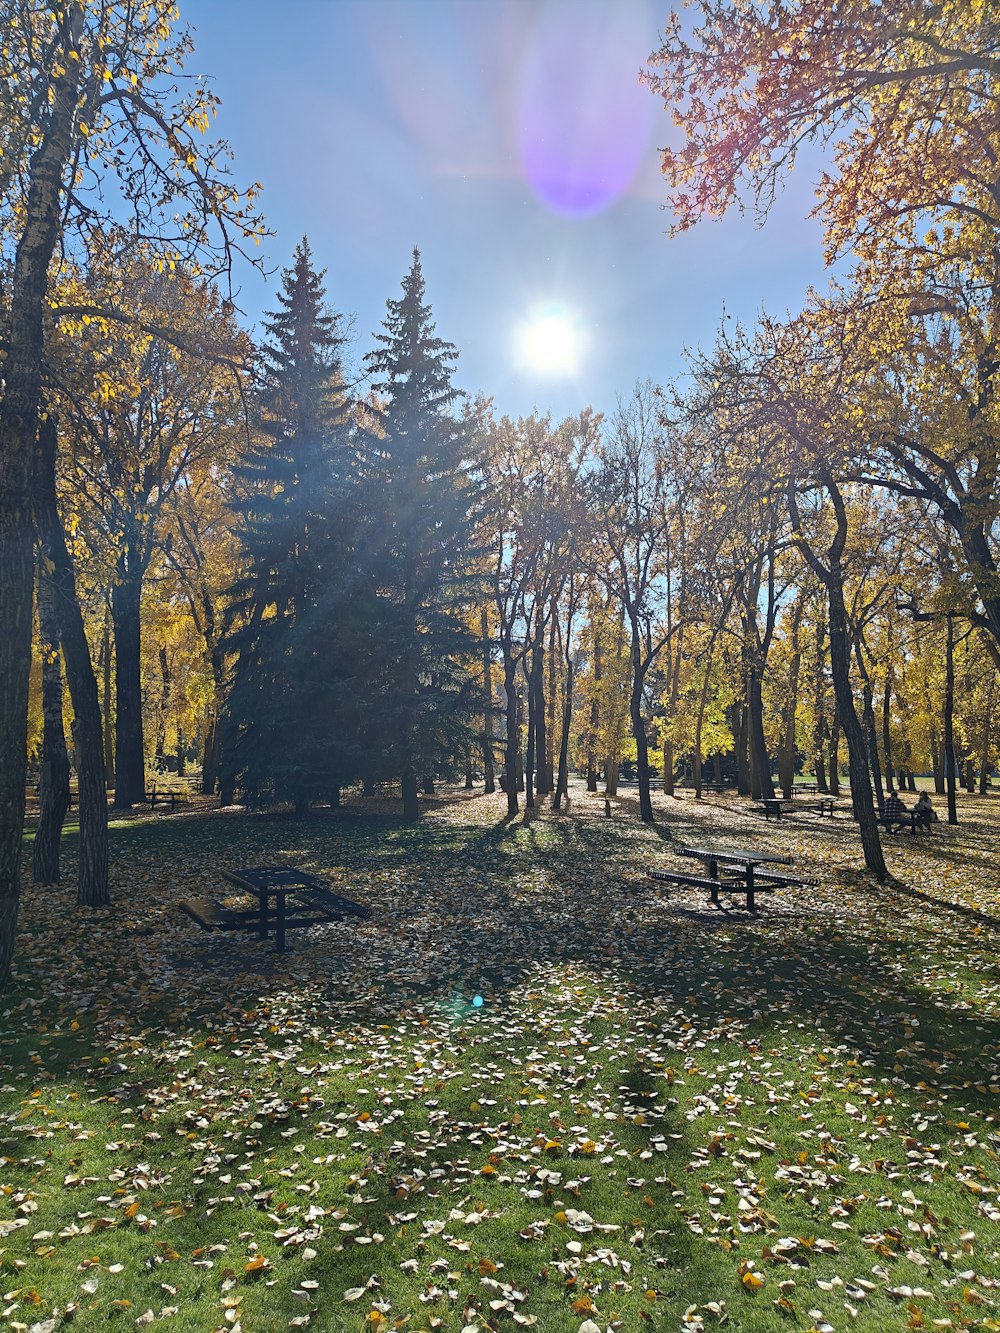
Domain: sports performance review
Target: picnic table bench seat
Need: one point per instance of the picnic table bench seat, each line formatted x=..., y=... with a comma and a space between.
x=210, y=914
x=775, y=877
x=714, y=886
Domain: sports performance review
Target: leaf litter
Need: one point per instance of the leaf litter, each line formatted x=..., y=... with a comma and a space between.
x=662, y=1115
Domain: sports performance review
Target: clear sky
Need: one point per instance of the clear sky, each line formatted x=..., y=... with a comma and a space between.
x=510, y=140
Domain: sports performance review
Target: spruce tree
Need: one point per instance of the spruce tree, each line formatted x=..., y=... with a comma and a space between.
x=419, y=696
x=284, y=736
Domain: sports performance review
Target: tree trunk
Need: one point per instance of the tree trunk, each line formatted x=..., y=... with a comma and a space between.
x=611, y=776
x=950, y=759
x=159, y=753
x=53, y=784
x=488, y=774
x=88, y=736
x=861, y=791
x=886, y=719
x=871, y=740
x=513, y=745
x=760, y=761
x=820, y=731
x=738, y=726
x=671, y=702
x=595, y=718
x=210, y=759
x=833, y=756
x=529, y=759
x=547, y=739
x=411, y=802
x=469, y=780
x=786, y=754
x=130, y=775
x=986, y=739
x=428, y=785
x=562, y=781
x=106, y=675
x=26, y=290
x=639, y=728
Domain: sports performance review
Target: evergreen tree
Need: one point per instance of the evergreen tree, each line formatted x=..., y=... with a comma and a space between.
x=419, y=696
x=285, y=735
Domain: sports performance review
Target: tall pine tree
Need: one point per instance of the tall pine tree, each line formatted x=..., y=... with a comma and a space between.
x=419, y=696
x=285, y=737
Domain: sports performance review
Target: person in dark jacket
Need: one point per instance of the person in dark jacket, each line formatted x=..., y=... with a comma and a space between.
x=895, y=811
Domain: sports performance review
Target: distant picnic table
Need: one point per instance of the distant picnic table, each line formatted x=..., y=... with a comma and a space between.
x=735, y=870
x=314, y=903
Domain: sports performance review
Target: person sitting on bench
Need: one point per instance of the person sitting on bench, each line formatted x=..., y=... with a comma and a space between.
x=925, y=810
x=895, y=811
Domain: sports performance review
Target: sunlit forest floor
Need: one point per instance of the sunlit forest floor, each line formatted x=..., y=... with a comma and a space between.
x=661, y=1116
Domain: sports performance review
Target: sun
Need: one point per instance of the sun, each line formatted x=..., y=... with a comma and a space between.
x=549, y=343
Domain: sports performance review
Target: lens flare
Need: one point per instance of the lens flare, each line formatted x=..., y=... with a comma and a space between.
x=584, y=123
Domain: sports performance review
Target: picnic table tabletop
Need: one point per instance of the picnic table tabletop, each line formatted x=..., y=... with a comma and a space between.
x=735, y=855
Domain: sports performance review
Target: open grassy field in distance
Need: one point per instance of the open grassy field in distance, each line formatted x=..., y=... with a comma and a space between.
x=661, y=1116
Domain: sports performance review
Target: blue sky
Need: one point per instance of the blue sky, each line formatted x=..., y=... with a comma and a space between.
x=510, y=141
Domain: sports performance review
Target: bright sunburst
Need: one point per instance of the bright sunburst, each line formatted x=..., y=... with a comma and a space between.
x=549, y=343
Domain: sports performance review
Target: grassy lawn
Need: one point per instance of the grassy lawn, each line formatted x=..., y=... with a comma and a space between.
x=660, y=1116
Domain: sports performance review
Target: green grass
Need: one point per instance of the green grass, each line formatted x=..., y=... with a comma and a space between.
x=652, y=1097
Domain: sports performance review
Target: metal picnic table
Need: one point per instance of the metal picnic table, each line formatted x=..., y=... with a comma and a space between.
x=741, y=864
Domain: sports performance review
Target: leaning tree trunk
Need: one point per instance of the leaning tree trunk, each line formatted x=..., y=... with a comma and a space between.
x=832, y=577
x=126, y=596
x=53, y=784
x=861, y=791
x=22, y=372
x=88, y=735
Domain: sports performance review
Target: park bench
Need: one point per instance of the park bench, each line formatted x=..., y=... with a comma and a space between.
x=170, y=798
